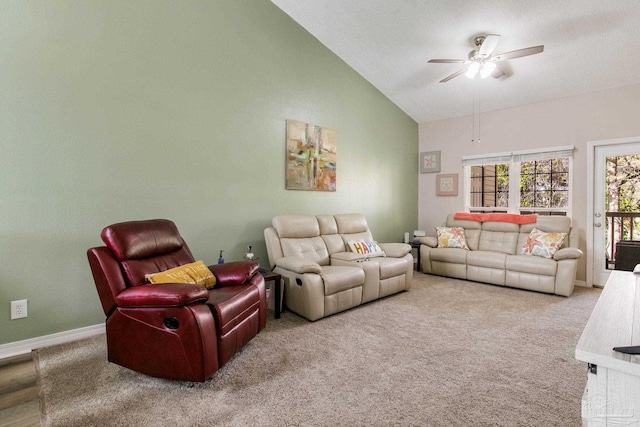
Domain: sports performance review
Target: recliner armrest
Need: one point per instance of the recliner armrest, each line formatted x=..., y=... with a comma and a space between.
x=567, y=253
x=395, y=250
x=298, y=265
x=164, y=295
x=234, y=273
x=430, y=241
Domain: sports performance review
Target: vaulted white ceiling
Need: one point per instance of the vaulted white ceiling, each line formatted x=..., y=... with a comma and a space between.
x=589, y=45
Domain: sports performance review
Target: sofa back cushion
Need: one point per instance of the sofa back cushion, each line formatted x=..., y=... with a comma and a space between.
x=499, y=237
x=353, y=228
x=548, y=224
x=329, y=233
x=471, y=230
x=300, y=236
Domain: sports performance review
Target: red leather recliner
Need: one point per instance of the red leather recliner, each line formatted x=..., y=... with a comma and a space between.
x=176, y=330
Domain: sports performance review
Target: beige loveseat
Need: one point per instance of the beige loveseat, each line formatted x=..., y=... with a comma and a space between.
x=321, y=276
x=494, y=255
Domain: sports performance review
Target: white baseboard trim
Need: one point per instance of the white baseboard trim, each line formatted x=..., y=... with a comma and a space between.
x=581, y=283
x=25, y=346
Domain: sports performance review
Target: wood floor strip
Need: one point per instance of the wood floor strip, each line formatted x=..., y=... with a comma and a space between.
x=18, y=397
x=19, y=392
x=25, y=415
x=15, y=359
x=17, y=376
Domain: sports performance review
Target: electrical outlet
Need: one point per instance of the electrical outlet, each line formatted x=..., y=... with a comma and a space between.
x=18, y=309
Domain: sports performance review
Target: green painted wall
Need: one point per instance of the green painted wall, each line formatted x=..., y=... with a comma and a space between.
x=118, y=110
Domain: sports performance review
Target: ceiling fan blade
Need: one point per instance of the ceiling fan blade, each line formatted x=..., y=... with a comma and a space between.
x=488, y=45
x=518, y=53
x=456, y=74
x=498, y=72
x=449, y=61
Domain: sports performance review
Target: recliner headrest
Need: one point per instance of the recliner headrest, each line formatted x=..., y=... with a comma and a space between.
x=296, y=226
x=142, y=239
x=351, y=223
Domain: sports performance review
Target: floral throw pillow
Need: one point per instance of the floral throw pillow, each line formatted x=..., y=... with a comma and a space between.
x=543, y=244
x=451, y=237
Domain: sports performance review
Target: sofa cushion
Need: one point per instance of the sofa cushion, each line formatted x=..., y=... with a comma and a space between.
x=471, y=230
x=338, y=278
x=296, y=226
x=452, y=255
x=351, y=223
x=543, y=244
x=391, y=267
x=451, y=237
x=549, y=224
x=353, y=227
x=499, y=237
x=312, y=248
x=329, y=233
x=327, y=224
x=486, y=259
x=531, y=264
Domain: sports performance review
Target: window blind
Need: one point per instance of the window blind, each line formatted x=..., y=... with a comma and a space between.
x=518, y=156
x=543, y=154
x=487, y=159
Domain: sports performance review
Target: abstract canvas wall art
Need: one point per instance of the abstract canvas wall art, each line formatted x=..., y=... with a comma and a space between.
x=311, y=157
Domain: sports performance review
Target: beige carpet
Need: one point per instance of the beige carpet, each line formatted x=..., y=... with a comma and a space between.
x=445, y=353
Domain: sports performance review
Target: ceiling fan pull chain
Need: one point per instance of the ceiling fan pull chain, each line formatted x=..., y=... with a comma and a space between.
x=476, y=112
x=479, y=111
x=473, y=119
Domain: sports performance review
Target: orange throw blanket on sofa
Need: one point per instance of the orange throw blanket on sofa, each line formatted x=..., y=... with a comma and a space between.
x=497, y=217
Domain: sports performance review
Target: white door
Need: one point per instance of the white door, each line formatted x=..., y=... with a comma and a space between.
x=599, y=151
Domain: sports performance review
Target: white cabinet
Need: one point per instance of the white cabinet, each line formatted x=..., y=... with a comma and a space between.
x=612, y=394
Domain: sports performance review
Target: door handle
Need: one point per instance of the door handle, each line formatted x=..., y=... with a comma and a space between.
x=597, y=224
x=598, y=215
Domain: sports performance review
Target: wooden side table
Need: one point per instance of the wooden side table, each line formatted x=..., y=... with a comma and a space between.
x=276, y=278
x=415, y=245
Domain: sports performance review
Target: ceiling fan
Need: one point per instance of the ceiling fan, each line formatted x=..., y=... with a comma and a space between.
x=480, y=59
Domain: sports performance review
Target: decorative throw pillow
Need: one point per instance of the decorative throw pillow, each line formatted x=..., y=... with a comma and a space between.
x=543, y=244
x=371, y=249
x=196, y=273
x=451, y=237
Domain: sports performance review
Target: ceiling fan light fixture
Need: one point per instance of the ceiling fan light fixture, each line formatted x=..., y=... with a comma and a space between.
x=481, y=59
x=472, y=70
x=486, y=69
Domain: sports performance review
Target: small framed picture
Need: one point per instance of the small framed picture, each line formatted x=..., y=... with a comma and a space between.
x=447, y=184
x=430, y=162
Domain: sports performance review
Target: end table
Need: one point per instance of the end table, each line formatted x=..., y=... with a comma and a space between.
x=276, y=278
x=416, y=245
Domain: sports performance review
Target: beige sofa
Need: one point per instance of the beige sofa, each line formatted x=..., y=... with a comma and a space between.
x=321, y=276
x=493, y=255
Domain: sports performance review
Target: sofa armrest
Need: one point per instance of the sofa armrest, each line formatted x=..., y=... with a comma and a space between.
x=395, y=250
x=567, y=253
x=431, y=241
x=164, y=295
x=298, y=265
x=234, y=273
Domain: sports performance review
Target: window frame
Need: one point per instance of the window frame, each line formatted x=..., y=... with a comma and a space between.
x=513, y=159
